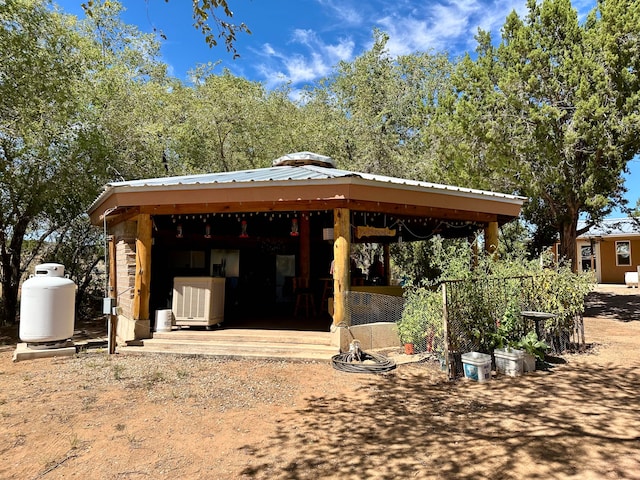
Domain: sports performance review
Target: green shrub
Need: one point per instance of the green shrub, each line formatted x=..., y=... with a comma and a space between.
x=486, y=295
x=421, y=322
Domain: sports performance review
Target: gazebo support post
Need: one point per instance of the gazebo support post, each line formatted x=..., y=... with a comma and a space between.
x=141, y=291
x=305, y=247
x=491, y=238
x=387, y=263
x=341, y=265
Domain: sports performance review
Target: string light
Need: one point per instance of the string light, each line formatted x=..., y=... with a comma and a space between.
x=294, y=227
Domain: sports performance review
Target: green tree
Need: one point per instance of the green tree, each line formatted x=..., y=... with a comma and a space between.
x=205, y=16
x=42, y=75
x=79, y=103
x=388, y=103
x=225, y=123
x=128, y=98
x=551, y=112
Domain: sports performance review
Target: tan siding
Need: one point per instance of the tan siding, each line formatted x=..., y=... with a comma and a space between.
x=612, y=273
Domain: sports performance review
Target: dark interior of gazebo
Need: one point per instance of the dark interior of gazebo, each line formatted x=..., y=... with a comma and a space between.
x=259, y=254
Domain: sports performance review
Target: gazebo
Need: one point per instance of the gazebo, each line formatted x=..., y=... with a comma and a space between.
x=271, y=238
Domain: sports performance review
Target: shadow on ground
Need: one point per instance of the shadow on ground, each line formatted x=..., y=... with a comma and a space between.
x=407, y=428
x=613, y=306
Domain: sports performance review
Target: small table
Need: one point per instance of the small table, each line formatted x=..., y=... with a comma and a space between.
x=537, y=317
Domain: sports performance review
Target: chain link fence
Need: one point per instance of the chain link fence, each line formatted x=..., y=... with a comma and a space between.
x=474, y=310
x=468, y=313
x=365, y=307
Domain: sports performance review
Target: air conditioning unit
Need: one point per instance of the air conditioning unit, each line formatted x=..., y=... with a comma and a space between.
x=198, y=300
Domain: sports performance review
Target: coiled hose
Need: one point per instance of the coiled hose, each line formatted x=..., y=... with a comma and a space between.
x=353, y=361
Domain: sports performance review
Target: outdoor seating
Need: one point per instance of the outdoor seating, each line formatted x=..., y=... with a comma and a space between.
x=304, y=297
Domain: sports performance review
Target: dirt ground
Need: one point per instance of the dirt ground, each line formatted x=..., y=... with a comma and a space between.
x=140, y=417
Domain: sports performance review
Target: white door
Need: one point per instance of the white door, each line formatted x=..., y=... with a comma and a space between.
x=589, y=257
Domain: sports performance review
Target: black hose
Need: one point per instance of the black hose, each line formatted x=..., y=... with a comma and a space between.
x=345, y=362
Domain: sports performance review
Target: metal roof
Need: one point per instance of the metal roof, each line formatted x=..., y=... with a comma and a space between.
x=291, y=173
x=612, y=227
x=271, y=174
x=301, y=158
x=297, y=175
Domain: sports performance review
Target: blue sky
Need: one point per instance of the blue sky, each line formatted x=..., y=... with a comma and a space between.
x=300, y=41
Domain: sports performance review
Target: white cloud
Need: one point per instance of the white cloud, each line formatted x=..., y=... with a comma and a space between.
x=448, y=25
x=342, y=12
x=316, y=60
x=413, y=26
x=267, y=49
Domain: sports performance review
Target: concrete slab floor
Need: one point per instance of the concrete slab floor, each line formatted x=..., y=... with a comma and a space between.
x=24, y=351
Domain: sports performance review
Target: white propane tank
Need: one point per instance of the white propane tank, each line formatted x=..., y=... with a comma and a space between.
x=47, y=306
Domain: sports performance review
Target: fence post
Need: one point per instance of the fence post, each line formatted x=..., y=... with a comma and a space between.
x=445, y=328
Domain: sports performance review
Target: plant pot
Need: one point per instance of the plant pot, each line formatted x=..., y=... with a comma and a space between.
x=408, y=348
x=529, y=363
x=509, y=361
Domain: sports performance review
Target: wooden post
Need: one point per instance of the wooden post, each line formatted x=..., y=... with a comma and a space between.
x=445, y=333
x=341, y=264
x=473, y=241
x=143, y=268
x=305, y=246
x=491, y=237
x=386, y=254
x=113, y=293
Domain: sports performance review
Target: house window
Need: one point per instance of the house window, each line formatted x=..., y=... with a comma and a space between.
x=587, y=258
x=623, y=253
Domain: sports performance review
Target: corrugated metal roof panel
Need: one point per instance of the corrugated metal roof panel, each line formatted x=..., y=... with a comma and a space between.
x=271, y=174
x=294, y=173
x=612, y=226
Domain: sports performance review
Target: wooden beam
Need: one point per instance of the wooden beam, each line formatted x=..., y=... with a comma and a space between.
x=320, y=205
x=341, y=264
x=143, y=269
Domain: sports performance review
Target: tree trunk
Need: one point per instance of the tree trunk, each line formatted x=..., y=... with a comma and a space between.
x=9, y=303
x=11, y=273
x=568, y=249
x=10, y=285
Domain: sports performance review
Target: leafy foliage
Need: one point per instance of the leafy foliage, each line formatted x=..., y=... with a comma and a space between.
x=42, y=136
x=550, y=113
x=421, y=322
x=485, y=297
x=387, y=104
x=532, y=345
x=205, y=14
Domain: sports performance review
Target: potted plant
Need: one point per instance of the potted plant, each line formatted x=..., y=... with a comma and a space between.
x=508, y=359
x=420, y=327
x=410, y=329
x=533, y=347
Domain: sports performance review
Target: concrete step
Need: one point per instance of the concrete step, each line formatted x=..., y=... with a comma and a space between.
x=244, y=344
x=242, y=335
